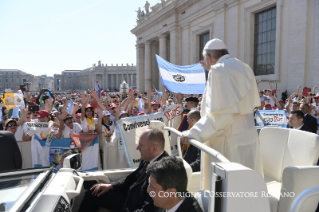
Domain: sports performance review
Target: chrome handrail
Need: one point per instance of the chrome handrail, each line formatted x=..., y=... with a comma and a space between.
x=201, y=146
x=302, y=197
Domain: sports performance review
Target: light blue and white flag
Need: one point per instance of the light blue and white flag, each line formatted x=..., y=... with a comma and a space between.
x=97, y=88
x=70, y=107
x=59, y=149
x=182, y=79
x=159, y=93
x=14, y=113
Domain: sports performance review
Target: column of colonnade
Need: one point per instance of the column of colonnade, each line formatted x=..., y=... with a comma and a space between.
x=145, y=78
x=115, y=80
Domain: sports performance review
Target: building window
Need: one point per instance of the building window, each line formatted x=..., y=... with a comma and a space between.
x=265, y=40
x=203, y=39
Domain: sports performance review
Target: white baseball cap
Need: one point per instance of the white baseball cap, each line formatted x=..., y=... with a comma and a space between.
x=123, y=112
x=106, y=113
x=215, y=44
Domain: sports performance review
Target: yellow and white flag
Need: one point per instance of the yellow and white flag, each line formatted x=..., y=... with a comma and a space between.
x=12, y=100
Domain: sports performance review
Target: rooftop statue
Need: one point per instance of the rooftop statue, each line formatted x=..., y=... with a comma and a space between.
x=147, y=7
x=139, y=13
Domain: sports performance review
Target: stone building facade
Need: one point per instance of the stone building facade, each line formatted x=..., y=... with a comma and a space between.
x=13, y=78
x=109, y=77
x=279, y=39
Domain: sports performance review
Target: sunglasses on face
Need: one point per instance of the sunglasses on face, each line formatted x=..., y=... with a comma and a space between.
x=12, y=125
x=68, y=118
x=29, y=114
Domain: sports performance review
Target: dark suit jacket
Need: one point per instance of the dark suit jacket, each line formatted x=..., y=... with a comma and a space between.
x=192, y=156
x=305, y=128
x=135, y=185
x=190, y=204
x=311, y=122
x=10, y=155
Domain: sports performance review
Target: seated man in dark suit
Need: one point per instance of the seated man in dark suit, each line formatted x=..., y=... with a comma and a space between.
x=296, y=118
x=309, y=120
x=168, y=184
x=130, y=193
x=192, y=155
x=9, y=152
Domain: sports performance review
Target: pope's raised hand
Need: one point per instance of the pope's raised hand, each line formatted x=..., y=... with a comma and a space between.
x=204, y=65
x=184, y=139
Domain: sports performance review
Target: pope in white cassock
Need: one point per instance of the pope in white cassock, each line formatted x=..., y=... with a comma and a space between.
x=227, y=123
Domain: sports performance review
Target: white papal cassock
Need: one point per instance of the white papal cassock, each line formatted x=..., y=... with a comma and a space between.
x=227, y=122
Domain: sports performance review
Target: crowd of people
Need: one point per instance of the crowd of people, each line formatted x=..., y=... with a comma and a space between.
x=91, y=112
x=301, y=108
x=205, y=117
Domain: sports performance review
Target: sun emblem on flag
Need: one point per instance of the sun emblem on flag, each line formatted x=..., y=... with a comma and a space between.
x=179, y=78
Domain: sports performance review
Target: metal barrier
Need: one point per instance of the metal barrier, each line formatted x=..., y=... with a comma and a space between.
x=302, y=197
x=201, y=146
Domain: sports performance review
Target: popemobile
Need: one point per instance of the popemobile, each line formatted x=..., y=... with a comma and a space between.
x=289, y=181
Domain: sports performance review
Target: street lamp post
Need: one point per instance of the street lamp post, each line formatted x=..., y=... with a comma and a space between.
x=27, y=83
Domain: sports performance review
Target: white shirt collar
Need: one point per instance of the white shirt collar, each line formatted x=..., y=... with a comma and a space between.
x=193, y=108
x=173, y=209
x=299, y=127
x=155, y=158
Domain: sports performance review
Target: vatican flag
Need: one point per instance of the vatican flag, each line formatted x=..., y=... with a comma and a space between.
x=12, y=100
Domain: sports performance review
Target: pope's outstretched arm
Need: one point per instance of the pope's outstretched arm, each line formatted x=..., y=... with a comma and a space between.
x=210, y=126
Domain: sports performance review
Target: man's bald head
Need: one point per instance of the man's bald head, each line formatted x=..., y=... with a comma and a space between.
x=151, y=144
x=156, y=136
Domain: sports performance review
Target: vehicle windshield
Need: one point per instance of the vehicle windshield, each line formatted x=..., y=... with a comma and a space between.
x=12, y=187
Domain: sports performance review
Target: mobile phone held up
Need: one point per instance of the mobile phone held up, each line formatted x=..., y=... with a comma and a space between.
x=33, y=108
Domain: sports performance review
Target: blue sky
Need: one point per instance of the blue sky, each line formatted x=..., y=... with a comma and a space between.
x=49, y=36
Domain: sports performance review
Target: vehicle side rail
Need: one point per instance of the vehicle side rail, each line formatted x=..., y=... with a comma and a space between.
x=201, y=146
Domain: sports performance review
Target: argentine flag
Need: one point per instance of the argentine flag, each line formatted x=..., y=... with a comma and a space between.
x=182, y=79
x=97, y=88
